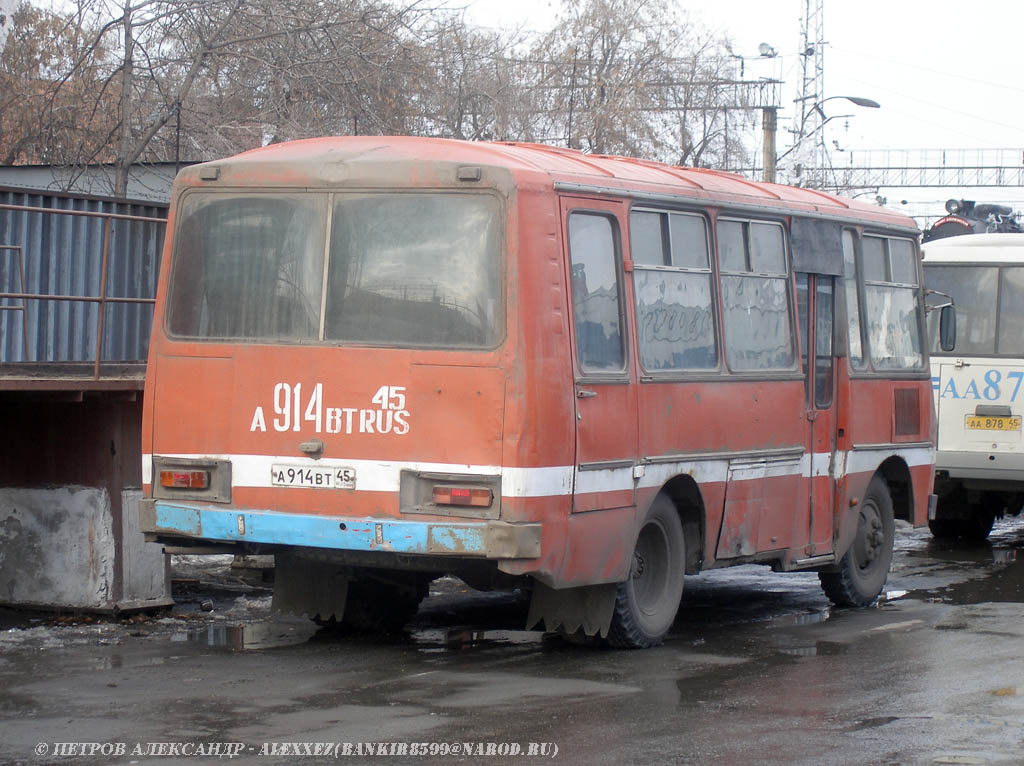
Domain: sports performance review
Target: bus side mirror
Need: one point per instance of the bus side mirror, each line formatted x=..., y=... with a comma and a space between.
x=947, y=328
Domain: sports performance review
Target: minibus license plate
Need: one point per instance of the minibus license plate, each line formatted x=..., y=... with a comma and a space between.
x=995, y=423
x=317, y=478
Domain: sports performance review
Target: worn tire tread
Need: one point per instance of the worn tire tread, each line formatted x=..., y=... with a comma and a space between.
x=625, y=632
x=840, y=586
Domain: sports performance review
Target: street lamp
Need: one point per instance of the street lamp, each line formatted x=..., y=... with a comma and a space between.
x=771, y=161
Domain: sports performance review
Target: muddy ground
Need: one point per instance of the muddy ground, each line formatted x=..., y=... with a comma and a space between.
x=758, y=669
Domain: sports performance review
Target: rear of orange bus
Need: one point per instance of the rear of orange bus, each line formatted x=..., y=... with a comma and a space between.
x=336, y=373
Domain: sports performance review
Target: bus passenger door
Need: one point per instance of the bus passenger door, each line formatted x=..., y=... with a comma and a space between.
x=815, y=308
x=605, y=394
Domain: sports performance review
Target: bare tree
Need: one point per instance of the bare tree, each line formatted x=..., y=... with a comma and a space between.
x=130, y=81
x=41, y=110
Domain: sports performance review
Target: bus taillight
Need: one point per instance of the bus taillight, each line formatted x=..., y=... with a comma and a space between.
x=185, y=479
x=474, y=496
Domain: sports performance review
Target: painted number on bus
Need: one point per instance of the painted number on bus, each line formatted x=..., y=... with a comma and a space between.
x=294, y=411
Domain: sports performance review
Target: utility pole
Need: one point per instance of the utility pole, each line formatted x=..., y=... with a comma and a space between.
x=769, y=123
x=7, y=10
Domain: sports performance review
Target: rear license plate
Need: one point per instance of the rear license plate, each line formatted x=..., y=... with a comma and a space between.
x=985, y=423
x=317, y=478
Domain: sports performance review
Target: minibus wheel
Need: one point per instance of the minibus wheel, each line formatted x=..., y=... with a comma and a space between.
x=975, y=526
x=973, y=530
x=864, y=568
x=646, y=603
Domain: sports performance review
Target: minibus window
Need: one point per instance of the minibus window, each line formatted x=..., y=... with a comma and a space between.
x=823, y=364
x=248, y=266
x=973, y=289
x=675, y=324
x=415, y=269
x=891, y=307
x=1011, y=311
x=902, y=264
x=755, y=297
x=849, y=287
x=731, y=249
x=647, y=239
x=597, y=305
x=767, y=251
x=874, y=259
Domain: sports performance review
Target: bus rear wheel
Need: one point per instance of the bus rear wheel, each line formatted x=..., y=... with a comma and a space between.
x=974, y=530
x=864, y=568
x=646, y=604
x=957, y=518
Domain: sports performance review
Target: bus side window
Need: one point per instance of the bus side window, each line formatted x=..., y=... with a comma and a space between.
x=891, y=307
x=849, y=286
x=672, y=281
x=1011, y=310
x=596, y=293
x=755, y=295
x=823, y=364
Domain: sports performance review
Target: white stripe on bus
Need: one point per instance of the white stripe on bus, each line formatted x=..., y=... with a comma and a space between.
x=554, y=481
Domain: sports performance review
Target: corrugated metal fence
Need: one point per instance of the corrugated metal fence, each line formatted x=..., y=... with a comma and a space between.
x=74, y=270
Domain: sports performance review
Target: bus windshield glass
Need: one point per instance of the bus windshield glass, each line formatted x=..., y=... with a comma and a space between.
x=403, y=269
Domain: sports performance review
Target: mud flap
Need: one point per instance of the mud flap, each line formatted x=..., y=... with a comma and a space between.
x=311, y=588
x=570, y=609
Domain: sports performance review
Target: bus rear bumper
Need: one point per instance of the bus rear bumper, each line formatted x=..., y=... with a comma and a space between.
x=483, y=539
x=981, y=465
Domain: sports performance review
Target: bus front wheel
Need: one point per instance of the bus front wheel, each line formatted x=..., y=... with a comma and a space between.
x=864, y=568
x=646, y=603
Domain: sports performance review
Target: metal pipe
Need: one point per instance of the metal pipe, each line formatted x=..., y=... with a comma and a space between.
x=107, y=227
x=84, y=213
x=79, y=298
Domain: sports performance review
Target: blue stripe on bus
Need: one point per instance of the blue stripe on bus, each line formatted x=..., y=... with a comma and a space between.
x=466, y=539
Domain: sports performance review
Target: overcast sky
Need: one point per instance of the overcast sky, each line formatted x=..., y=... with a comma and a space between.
x=947, y=74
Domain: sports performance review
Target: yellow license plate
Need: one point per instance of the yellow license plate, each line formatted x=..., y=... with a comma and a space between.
x=986, y=423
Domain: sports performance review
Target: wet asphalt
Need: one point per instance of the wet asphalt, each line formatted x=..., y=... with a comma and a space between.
x=758, y=669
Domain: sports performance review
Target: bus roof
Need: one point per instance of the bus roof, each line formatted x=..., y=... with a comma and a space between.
x=571, y=168
x=975, y=247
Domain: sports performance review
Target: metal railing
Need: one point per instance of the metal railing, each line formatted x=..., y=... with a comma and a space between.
x=23, y=308
x=102, y=300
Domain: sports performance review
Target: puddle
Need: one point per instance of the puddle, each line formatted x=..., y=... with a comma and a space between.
x=244, y=637
x=456, y=639
x=1002, y=583
x=820, y=649
x=804, y=618
x=1004, y=555
x=892, y=595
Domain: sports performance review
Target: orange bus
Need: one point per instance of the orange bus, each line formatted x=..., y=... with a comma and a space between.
x=386, y=359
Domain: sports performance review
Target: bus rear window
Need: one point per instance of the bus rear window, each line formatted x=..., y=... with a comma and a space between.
x=404, y=269
x=248, y=266
x=415, y=269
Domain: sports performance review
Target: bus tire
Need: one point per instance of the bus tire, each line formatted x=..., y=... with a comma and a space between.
x=972, y=530
x=864, y=568
x=646, y=604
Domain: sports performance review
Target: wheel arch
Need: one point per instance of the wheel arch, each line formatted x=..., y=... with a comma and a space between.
x=686, y=496
x=896, y=474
